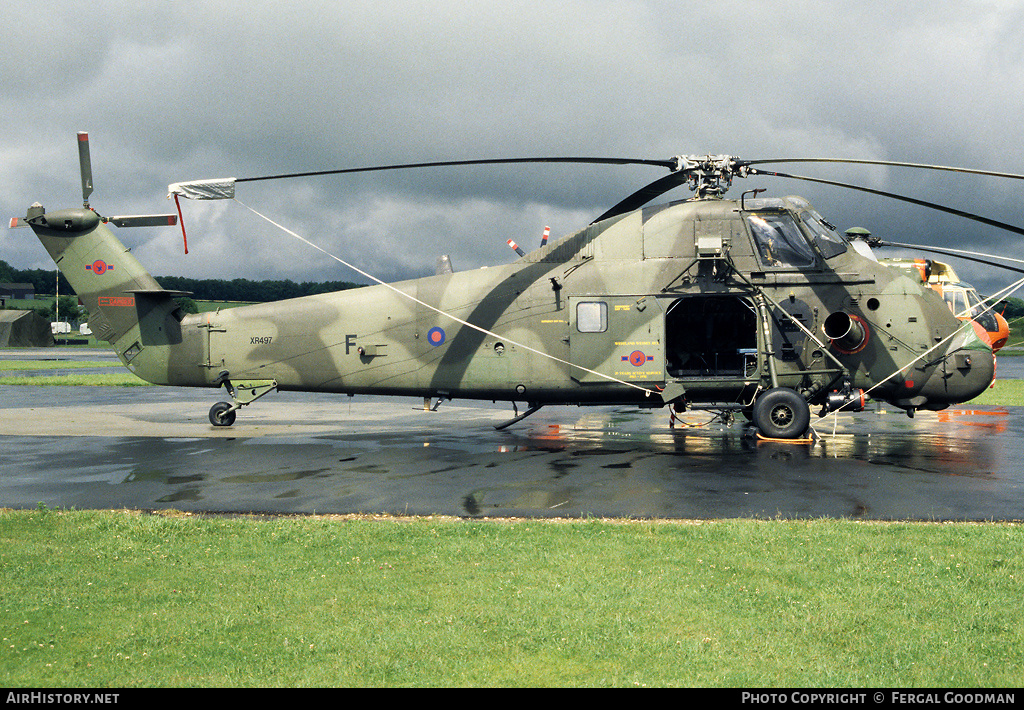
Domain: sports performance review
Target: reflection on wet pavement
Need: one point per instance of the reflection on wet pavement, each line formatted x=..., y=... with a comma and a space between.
x=320, y=454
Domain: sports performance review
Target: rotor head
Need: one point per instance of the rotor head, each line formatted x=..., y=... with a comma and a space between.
x=710, y=175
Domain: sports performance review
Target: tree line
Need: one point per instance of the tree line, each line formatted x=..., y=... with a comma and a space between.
x=250, y=291
x=201, y=289
x=262, y=291
x=42, y=280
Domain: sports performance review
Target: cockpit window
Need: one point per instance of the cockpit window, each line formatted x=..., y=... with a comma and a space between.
x=955, y=300
x=780, y=243
x=825, y=237
x=964, y=302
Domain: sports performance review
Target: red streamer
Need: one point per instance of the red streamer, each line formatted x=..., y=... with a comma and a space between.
x=181, y=221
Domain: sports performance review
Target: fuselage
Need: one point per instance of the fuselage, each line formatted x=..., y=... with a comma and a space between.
x=698, y=301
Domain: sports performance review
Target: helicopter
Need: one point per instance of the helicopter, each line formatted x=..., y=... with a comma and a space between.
x=962, y=298
x=755, y=306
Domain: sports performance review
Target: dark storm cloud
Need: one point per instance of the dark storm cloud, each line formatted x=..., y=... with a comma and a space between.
x=179, y=91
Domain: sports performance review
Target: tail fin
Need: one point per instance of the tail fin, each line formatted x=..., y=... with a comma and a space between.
x=127, y=307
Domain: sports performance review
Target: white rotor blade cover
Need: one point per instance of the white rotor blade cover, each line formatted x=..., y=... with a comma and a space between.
x=219, y=189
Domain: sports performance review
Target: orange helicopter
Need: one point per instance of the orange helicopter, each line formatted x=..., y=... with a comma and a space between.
x=962, y=298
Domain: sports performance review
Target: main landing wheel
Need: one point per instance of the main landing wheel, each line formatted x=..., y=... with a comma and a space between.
x=781, y=413
x=221, y=414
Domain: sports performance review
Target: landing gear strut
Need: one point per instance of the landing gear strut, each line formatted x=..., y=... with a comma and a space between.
x=223, y=413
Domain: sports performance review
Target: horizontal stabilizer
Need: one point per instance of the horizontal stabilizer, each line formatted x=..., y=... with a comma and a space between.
x=17, y=222
x=219, y=189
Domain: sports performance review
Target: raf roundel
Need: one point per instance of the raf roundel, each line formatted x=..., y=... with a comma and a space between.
x=98, y=267
x=637, y=358
x=435, y=336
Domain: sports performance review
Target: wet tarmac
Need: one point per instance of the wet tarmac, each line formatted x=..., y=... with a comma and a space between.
x=153, y=448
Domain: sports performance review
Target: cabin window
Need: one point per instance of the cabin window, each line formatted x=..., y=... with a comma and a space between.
x=592, y=316
x=780, y=243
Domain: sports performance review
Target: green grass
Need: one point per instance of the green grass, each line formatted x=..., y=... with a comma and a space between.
x=205, y=306
x=1006, y=393
x=1016, y=333
x=17, y=365
x=122, y=378
x=28, y=304
x=121, y=599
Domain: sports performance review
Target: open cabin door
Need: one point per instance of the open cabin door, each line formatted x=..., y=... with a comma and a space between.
x=616, y=336
x=711, y=337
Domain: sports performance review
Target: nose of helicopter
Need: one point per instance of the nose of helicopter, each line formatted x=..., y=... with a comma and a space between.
x=965, y=371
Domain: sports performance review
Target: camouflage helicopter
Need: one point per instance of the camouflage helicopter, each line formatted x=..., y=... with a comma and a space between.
x=754, y=305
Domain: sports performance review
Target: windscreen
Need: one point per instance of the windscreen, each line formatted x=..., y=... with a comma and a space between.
x=826, y=238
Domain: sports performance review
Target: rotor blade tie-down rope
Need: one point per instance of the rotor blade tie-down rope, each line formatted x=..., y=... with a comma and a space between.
x=373, y=278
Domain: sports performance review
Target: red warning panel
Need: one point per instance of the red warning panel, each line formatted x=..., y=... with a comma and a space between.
x=116, y=300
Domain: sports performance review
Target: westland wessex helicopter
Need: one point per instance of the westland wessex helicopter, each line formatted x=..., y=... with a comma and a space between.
x=754, y=305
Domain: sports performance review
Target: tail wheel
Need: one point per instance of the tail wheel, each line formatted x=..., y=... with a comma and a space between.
x=221, y=414
x=781, y=413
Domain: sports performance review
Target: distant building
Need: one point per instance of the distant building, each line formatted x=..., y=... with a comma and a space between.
x=9, y=290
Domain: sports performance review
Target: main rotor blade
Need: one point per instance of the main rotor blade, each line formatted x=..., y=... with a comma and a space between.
x=671, y=164
x=923, y=166
x=144, y=220
x=645, y=194
x=85, y=165
x=911, y=200
x=951, y=252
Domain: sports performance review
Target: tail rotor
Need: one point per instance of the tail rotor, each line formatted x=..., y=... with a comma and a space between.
x=85, y=168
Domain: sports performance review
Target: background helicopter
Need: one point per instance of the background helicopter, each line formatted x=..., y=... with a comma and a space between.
x=963, y=300
x=756, y=305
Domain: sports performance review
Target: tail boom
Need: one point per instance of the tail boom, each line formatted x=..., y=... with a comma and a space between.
x=127, y=307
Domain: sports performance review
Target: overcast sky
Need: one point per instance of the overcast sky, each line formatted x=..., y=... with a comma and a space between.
x=173, y=91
